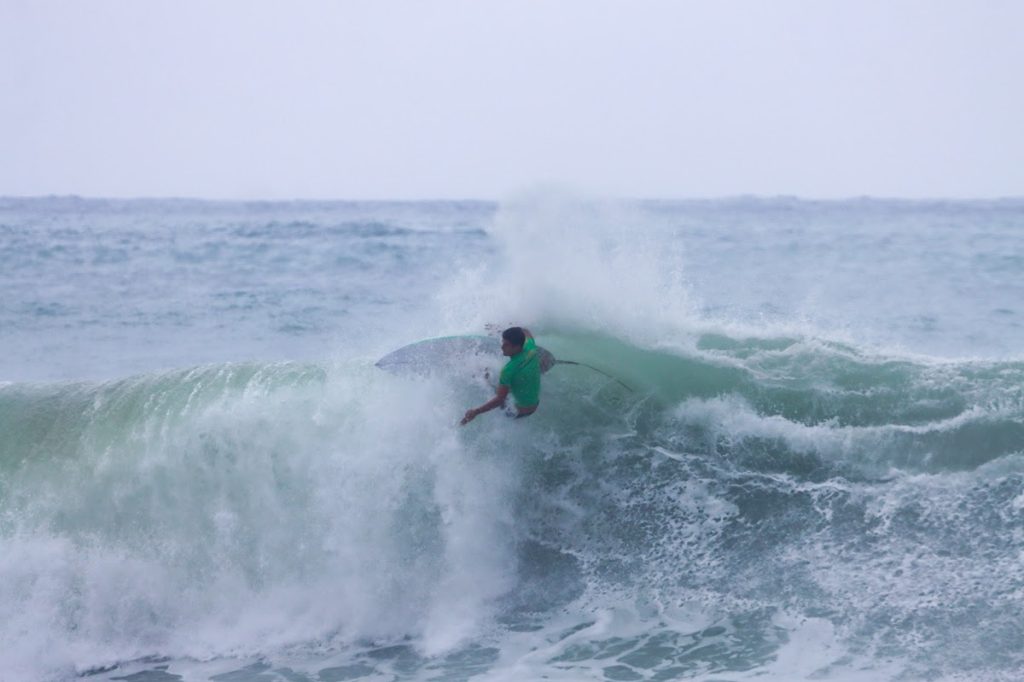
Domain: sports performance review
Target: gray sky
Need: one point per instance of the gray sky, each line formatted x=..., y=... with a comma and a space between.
x=479, y=99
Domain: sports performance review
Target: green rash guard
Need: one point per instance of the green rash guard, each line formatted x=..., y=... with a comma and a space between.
x=522, y=375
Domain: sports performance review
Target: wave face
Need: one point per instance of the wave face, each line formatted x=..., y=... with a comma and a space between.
x=745, y=498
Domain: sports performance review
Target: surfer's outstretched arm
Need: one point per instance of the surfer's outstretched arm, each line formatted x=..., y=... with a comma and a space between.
x=497, y=401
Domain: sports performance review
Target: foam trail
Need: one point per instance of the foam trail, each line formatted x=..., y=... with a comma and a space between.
x=265, y=510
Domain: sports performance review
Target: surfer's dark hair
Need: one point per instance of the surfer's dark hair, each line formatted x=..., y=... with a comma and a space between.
x=514, y=335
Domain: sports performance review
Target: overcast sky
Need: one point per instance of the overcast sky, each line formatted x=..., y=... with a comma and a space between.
x=479, y=99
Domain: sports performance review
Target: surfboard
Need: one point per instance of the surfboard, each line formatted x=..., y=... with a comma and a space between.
x=462, y=354
x=451, y=353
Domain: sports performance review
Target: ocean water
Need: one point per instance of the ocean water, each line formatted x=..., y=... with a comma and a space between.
x=802, y=458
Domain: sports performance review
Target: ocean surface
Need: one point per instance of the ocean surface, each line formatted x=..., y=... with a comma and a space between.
x=802, y=457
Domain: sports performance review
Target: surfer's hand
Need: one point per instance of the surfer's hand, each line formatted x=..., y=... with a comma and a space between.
x=470, y=416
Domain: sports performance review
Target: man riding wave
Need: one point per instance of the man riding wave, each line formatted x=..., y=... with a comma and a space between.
x=520, y=376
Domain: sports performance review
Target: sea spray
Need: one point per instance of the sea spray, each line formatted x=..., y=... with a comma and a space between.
x=571, y=262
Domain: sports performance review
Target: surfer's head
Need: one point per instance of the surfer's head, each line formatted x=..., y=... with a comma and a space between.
x=512, y=341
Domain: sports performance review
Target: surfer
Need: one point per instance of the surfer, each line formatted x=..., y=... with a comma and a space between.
x=520, y=376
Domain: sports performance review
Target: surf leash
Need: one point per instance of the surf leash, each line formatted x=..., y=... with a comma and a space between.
x=583, y=364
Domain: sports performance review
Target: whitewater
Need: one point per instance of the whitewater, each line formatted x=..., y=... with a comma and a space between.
x=802, y=458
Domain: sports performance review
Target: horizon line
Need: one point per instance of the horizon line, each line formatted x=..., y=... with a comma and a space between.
x=585, y=197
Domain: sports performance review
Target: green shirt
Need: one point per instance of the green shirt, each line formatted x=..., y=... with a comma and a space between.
x=522, y=375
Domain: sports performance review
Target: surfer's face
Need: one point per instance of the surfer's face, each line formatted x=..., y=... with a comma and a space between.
x=508, y=348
